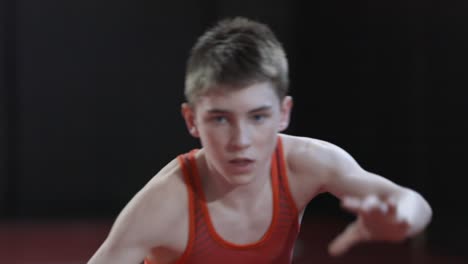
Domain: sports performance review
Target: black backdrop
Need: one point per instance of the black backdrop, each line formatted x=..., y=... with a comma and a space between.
x=90, y=94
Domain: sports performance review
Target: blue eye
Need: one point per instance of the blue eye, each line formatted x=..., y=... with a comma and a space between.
x=259, y=117
x=219, y=119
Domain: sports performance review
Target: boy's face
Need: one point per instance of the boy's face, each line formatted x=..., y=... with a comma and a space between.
x=238, y=129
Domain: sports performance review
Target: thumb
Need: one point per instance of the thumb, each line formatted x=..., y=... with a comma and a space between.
x=352, y=235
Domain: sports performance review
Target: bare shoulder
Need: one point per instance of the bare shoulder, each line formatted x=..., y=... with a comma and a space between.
x=163, y=198
x=304, y=154
x=317, y=166
x=308, y=164
x=143, y=223
x=160, y=203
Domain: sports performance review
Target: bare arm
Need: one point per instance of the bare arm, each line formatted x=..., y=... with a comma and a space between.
x=354, y=185
x=385, y=210
x=124, y=244
x=142, y=224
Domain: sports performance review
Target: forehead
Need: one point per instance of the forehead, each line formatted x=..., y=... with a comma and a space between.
x=239, y=99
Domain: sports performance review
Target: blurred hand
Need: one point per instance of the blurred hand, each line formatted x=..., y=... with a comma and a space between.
x=377, y=220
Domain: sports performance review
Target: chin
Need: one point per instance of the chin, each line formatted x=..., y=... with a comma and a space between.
x=240, y=179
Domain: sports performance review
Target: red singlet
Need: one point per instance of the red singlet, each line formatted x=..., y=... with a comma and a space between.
x=205, y=245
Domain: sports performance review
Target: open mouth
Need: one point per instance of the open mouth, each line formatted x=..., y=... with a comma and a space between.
x=241, y=165
x=241, y=162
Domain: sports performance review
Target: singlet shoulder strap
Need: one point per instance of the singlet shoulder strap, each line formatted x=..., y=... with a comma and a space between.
x=187, y=171
x=283, y=174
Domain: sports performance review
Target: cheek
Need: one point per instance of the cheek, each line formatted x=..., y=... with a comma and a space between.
x=267, y=131
x=212, y=138
x=266, y=138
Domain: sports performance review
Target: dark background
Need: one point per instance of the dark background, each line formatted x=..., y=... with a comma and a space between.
x=90, y=94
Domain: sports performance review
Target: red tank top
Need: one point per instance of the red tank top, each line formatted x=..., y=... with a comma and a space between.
x=206, y=246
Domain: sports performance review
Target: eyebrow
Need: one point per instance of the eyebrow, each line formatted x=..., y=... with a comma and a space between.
x=223, y=111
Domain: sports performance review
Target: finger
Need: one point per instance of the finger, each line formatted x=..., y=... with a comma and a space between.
x=351, y=236
x=392, y=207
x=367, y=206
x=373, y=206
x=370, y=203
x=404, y=225
x=400, y=232
x=351, y=204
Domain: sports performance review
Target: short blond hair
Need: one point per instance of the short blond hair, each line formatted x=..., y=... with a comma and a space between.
x=233, y=54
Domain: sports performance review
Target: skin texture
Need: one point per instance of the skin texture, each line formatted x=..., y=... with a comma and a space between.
x=238, y=129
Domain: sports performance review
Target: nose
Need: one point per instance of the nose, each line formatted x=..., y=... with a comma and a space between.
x=240, y=137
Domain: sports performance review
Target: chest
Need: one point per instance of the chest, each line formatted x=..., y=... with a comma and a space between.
x=227, y=225
x=241, y=227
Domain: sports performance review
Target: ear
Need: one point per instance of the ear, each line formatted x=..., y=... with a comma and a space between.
x=188, y=113
x=286, y=106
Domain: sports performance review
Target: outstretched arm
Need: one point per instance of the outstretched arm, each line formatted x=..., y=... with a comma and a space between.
x=385, y=211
